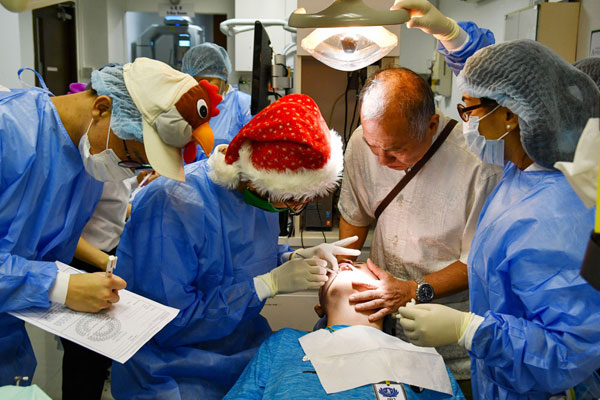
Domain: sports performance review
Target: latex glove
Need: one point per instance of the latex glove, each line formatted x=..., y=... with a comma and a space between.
x=384, y=296
x=93, y=292
x=429, y=19
x=328, y=251
x=432, y=325
x=296, y=275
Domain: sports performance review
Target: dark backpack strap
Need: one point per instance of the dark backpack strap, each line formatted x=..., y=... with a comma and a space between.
x=416, y=168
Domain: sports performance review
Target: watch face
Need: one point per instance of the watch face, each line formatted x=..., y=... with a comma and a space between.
x=425, y=293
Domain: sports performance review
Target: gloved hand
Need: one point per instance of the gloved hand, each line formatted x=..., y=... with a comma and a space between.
x=432, y=325
x=429, y=19
x=328, y=251
x=296, y=275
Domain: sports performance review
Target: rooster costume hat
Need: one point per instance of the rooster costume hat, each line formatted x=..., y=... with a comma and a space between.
x=175, y=113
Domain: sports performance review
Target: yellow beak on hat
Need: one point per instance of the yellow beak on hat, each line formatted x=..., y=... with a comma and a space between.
x=203, y=135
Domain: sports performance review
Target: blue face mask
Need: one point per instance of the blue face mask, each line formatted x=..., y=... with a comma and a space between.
x=489, y=151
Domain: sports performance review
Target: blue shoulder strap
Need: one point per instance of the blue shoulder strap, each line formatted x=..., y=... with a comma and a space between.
x=44, y=87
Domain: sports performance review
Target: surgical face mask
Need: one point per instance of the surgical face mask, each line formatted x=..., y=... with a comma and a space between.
x=255, y=201
x=489, y=151
x=103, y=166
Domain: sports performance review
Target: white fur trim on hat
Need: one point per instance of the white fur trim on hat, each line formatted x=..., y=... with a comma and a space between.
x=220, y=172
x=301, y=184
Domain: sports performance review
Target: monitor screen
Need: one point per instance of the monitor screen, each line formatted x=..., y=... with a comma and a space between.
x=261, y=69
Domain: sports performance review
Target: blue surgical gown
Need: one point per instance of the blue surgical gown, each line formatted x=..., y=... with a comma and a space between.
x=195, y=246
x=478, y=39
x=278, y=371
x=234, y=114
x=46, y=198
x=541, y=328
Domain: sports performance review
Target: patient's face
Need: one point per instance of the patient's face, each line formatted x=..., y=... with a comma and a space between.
x=339, y=286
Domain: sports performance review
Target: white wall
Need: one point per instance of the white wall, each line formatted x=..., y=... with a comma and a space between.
x=486, y=14
x=16, y=47
x=260, y=9
x=416, y=50
x=115, y=19
x=92, y=36
x=589, y=20
x=9, y=24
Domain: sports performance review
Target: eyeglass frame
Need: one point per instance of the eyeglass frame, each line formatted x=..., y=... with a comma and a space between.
x=129, y=163
x=462, y=109
x=293, y=212
x=289, y=209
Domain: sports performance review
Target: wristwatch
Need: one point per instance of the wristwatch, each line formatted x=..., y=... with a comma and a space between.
x=425, y=291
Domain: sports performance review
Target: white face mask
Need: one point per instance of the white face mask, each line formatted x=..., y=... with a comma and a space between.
x=103, y=166
x=489, y=151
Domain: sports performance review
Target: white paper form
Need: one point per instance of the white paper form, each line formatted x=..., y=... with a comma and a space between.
x=117, y=333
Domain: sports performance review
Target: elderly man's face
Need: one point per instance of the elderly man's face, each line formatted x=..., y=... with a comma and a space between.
x=393, y=142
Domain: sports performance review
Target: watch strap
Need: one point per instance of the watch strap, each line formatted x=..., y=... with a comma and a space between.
x=421, y=281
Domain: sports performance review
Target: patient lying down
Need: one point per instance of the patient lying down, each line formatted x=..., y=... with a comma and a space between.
x=283, y=367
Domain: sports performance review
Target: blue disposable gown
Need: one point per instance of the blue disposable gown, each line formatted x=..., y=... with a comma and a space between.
x=234, y=114
x=478, y=39
x=277, y=371
x=541, y=328
x=46, y=198
x=195, y=246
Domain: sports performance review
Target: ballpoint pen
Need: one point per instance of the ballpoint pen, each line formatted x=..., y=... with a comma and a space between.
x=146, y=178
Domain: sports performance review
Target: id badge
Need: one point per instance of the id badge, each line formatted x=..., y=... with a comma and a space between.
x=389, y=391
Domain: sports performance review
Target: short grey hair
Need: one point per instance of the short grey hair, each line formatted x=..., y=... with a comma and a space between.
x=402, y=91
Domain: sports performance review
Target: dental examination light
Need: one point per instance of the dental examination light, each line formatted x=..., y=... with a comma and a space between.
x=349, y=35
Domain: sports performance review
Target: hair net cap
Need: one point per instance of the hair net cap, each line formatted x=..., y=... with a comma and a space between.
x=552, y=98
x=208, y=60
x=591, y=67
x=126, y=120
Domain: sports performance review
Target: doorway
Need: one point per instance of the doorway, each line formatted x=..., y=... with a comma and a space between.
x=55, y=46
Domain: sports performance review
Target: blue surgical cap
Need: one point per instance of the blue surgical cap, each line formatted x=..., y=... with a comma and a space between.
x=552, y=98
x=591, y=67
x=126, y=119
x=208, y=60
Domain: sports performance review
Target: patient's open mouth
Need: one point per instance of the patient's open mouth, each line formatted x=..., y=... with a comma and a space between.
x=345, y=267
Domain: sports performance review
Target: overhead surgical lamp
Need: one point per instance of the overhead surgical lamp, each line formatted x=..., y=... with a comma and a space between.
x=349, y=35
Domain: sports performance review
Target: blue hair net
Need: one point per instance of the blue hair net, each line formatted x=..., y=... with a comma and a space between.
x=591, y=67
x=126, y=119
x=207, y=60
x=552, y=98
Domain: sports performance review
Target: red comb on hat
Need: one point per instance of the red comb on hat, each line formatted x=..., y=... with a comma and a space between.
x=215, y=97
x=286, y=151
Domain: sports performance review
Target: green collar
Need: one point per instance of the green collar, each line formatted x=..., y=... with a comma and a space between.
x=252, y=199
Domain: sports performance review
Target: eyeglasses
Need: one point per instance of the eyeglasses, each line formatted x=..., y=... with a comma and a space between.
x=464, y=112
x=129, y=163
x=295, y=209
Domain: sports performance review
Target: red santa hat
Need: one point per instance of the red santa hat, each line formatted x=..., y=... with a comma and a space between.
x=286, y=152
